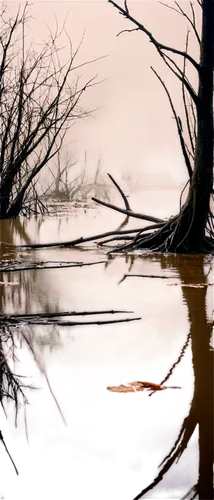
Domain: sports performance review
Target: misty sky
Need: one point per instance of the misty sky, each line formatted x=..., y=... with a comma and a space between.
x=132, y=127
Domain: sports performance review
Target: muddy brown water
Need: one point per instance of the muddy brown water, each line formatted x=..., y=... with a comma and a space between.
x=112, y=444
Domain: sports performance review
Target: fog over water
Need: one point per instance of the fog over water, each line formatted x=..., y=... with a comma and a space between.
x=132, y=125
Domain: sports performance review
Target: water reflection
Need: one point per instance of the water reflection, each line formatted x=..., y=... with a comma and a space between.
x=19, y=291
x=116, y=439
x=194, y=282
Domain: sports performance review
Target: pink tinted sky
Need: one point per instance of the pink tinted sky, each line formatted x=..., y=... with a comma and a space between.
x=133, y=126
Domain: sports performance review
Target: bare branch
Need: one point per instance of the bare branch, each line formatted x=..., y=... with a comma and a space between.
x=180, y=11
x=179, y=74
x=179, y=126
x=159, y=46
x=38, y=102
x=127, y=31
x=126, y=6
x=121, y=192
x=127, y=212
x=75, y=242
x=184, y=101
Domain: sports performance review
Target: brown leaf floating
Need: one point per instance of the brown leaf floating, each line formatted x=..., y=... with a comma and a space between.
x=139, y=386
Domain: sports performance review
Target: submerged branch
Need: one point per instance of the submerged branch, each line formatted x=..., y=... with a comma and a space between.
x=146, y=276
x=36, y=266
x=77, y=241
x=147, y=228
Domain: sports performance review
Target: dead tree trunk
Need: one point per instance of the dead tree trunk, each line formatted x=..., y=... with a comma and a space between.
x=194, y=215
x=192, y=230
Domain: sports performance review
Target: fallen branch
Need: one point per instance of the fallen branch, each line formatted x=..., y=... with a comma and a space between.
x=77, y=241
x=143, y=230
x=7, y=317
x=119, y=238
x=130, y=213
x=45, y=322
x=148, y=276
x=36, y=266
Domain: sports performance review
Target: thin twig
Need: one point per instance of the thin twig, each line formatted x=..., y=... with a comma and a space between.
x=127, y=31
x=180, y=11
x=184, y=101
x=159, y=46
x=179, y=125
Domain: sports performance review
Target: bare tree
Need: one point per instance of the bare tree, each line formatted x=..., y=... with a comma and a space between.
x=192, y=230
x=39, y=98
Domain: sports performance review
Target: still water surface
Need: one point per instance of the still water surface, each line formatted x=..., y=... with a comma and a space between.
x=112, y=443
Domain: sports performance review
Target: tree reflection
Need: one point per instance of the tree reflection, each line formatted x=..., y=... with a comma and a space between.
x=19, y=292
x=191, y=271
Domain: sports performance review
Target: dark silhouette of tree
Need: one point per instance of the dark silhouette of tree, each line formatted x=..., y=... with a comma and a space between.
x=39, y=99
x=192, y=230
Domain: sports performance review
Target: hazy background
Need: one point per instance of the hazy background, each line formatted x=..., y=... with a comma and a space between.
x=132, y=127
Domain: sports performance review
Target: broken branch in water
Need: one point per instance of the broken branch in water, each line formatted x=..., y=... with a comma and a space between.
x=34, y=321
x=152, y=226
x=6, y=317
x=129, y=212
x=48, y=265
x=149, y=276
x=145, y=276
x=77, y=241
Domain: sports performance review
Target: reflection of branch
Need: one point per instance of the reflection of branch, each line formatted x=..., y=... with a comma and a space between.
x=176, y=362
x=43, y=371
x=181, y=443
x=123, y=224
x=10, y=385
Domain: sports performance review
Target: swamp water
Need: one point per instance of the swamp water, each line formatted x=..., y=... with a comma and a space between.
x=112, y=443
